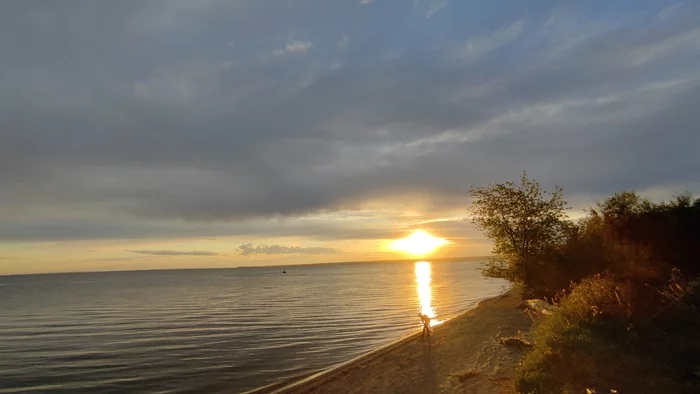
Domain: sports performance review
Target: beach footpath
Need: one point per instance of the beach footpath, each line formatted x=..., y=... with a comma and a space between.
x=464, y=355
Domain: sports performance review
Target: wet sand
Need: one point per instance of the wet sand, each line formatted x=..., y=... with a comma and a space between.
x=462, y=356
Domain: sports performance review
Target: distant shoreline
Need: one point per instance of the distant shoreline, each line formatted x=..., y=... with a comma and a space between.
x=402, y=364
x=435, y=260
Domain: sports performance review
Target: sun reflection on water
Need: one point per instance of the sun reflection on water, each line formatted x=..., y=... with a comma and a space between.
x=425, y=291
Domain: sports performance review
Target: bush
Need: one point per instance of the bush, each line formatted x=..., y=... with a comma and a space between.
x=523, y=221
x=594, y=339
x=625, y=236
x=626, y=280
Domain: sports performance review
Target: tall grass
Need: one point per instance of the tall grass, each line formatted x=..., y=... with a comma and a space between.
x=629, y=319
x=592, y=341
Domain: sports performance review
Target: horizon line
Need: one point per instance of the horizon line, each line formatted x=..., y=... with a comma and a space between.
x=249, y=266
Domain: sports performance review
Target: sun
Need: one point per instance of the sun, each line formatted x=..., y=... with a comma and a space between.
x=419, y=243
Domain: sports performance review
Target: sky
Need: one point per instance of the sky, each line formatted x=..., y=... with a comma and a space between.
x=211, y=133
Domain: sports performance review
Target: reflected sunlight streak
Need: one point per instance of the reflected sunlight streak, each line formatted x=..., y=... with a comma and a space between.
x=425, y=292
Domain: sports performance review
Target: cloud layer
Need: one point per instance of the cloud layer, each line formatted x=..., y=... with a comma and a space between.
x=249, y=249
x=165, y=118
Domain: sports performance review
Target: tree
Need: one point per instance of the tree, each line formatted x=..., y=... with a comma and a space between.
x=523, y=221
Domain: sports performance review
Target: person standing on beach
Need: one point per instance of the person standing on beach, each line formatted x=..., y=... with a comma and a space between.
x=426, y=324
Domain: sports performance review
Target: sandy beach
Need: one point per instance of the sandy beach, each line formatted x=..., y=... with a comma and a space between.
x=462, y=356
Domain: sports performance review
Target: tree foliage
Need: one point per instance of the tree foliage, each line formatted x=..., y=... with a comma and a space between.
x=629, y=319
x=625, y=278
x=523, y=221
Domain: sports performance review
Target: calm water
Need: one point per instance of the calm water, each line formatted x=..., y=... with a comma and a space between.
x=214, y=330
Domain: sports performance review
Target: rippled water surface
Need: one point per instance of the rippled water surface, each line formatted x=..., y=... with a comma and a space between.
x=228, y=330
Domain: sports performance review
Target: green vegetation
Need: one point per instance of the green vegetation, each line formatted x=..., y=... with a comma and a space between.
x=624, y=279
x=523, y=221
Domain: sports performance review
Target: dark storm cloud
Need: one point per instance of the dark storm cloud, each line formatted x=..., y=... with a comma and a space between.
x=118, y=120
x=172, y=253
x=249, y=249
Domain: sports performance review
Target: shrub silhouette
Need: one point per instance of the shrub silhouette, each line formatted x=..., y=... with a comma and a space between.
x=624, y=279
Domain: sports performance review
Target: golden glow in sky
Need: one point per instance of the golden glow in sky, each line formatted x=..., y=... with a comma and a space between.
x=419, y=243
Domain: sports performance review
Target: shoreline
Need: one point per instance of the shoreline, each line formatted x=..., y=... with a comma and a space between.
x=380, y=359
x=316, y=377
